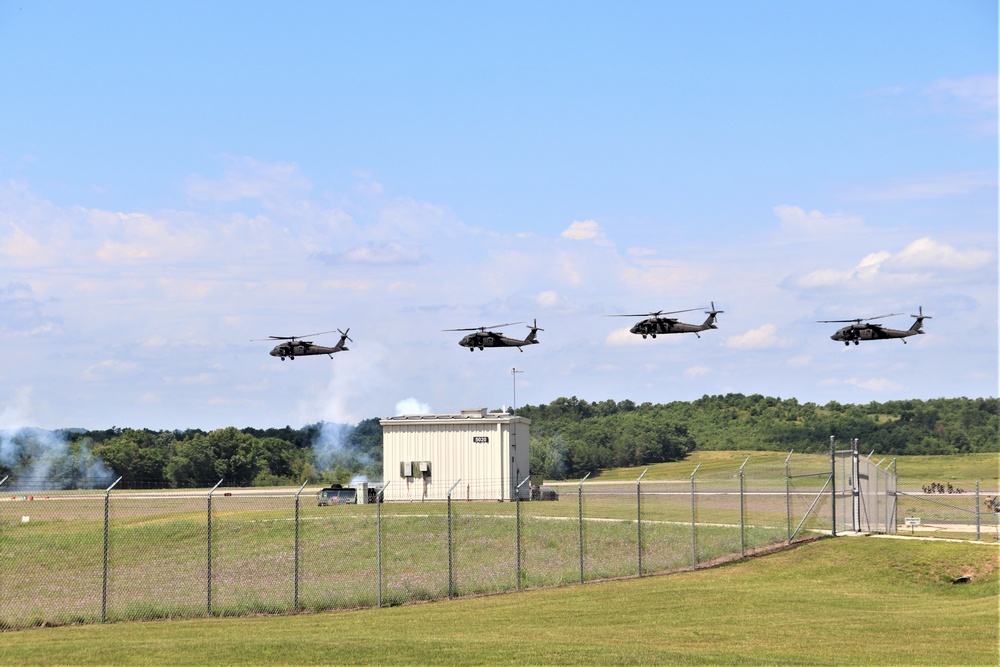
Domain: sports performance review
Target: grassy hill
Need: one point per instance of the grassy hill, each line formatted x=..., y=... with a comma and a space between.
x=963, y=469
x=849, y=601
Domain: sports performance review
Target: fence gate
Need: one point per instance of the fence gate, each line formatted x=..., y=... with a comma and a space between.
x=864, y=493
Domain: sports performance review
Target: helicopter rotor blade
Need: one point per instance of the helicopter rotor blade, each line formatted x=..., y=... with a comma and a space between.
x=657, y=313
x=344, y=334
x=320, y=333
x=859, y=320
x=491, y=326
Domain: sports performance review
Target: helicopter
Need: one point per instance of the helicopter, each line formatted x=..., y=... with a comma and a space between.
x=296, y=347
x=858, y=332
x=483, y=338
x=655, y=323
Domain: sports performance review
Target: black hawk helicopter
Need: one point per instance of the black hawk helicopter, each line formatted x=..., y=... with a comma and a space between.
x=655, y=323
x=858, y=332
x=483, y=338
x=296, y=347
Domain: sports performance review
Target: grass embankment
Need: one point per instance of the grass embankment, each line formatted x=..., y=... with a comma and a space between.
x=834, y=602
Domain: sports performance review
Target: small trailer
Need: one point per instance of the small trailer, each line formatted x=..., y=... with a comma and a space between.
x=337, y=495
x=362, y=493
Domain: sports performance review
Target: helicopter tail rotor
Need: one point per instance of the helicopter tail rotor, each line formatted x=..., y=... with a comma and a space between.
x=919, y=321
x=532, y=336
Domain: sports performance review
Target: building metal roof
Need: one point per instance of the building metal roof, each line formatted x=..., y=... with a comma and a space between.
x=465, y=414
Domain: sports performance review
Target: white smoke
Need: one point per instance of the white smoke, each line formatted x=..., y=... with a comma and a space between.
x=329, y=448
x=38, y=459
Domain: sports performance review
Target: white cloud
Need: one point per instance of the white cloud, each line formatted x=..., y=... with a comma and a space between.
x=411, y=406
x=568, y=269
x=374, y=254
x=246, y=178
x=879, y=385
x=585, y=230
x=762, y=337
x=661, y=275
x=623, y=337
x=934, y=187
x=697, y=371
x=550, y=299
x=18, y=245
x=926, y=254
x=102, y=369
x=918, y=261
x=971, y=94
x=794, y=218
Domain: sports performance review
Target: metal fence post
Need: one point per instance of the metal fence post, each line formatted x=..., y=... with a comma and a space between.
x=833, y=488
x=579, y=494
x=855, y=488
x=638, y=515
x=104, y=580
x=694, y=535
x=895, y=496
x=978, y=517
x=451, y=584
x=517, y=502
x=209, y=572
x=788, y=496
x=878, y=474
x=379, y=498
x=743, y=537
x=296, y=604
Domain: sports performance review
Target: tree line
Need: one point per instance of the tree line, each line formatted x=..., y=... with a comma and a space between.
x=569, y=438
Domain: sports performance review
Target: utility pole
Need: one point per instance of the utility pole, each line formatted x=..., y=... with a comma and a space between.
x=513, y=373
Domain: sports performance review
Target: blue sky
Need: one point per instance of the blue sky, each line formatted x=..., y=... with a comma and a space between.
x=177, y=179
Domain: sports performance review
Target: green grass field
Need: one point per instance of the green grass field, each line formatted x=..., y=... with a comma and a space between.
x=963, y=469
x=849, y=601
x=157, y=551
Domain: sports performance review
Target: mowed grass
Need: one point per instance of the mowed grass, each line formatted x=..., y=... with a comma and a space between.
x=52, y=567
x=833, y=602
x=963, y=469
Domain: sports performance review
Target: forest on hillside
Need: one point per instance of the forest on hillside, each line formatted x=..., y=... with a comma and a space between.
x=569, y=438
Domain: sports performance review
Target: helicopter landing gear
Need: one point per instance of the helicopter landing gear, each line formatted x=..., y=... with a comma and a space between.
x=653, y=335
x=644, y=336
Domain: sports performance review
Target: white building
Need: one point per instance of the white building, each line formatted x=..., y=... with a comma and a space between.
x=484, y=456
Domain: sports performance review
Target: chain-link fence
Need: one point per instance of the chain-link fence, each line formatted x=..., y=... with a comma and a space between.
x=86, y=556
x=948, y=511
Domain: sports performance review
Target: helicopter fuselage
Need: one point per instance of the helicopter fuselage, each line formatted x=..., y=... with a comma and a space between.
x=655, y=325
x=298, y=348
x=859, y=332
x=484, y=339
